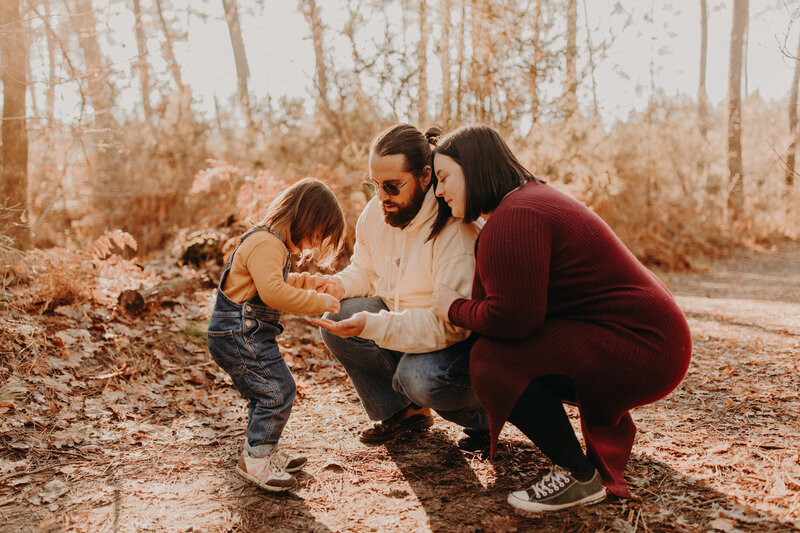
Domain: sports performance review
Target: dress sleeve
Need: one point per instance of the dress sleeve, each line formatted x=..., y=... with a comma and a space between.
x=513, y=261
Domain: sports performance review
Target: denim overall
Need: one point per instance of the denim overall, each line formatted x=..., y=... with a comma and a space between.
x=241, y=339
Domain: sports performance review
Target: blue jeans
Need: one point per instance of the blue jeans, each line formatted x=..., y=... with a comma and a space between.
x=241, y=339
x=387, y=381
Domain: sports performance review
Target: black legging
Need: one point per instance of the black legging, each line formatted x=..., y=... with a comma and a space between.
x=541, y=417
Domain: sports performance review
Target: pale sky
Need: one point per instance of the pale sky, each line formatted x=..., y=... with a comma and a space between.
x=281, y=56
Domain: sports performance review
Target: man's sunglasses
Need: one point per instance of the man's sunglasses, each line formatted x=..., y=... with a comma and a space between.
x=391, y=189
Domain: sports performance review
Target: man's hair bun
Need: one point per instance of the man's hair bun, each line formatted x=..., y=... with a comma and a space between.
x=432, y=135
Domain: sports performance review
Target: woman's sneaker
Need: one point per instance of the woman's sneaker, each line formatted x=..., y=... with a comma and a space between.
x=267, y=472
x=559, y=489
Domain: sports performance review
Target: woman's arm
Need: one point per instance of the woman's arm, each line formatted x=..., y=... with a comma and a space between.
x=513, y=262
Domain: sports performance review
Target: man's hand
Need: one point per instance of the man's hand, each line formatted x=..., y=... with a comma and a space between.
x=333, y=285
x=351, y=327
x=443, y=297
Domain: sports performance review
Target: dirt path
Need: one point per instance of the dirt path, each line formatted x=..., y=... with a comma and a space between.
x=131, y=428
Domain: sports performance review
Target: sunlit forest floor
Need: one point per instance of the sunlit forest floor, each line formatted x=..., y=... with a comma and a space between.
x=115, y=423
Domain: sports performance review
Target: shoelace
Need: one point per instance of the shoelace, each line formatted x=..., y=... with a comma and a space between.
x=552, y=481
x=279, y=459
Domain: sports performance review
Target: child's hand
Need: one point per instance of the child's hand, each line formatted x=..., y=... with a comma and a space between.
x=331, y=303
x=318, y=281
x=333, y=286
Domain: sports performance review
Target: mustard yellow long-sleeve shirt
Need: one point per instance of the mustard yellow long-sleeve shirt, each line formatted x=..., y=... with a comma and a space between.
x=258, y=267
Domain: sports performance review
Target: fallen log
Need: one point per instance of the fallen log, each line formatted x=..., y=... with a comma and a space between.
x=137, y=301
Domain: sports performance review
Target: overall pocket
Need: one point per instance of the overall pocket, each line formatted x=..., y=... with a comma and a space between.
x=223, y=349
x=255, y=330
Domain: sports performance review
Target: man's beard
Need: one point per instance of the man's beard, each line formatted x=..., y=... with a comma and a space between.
x=404, y=215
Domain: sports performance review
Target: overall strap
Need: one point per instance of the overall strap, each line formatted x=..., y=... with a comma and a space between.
x=241, y=240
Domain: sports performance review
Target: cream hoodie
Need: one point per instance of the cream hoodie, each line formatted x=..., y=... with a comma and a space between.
x=398, y=266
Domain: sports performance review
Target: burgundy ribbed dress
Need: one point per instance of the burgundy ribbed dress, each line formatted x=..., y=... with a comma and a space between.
x=557, y=292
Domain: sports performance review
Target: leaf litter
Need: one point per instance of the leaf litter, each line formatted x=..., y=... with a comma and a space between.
x=113, y=422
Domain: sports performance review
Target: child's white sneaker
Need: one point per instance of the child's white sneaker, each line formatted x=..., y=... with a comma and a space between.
x=291, y=462
x=267, y=472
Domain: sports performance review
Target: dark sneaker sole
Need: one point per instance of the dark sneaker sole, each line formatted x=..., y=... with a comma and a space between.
x=418, y=425
x=290, y=484
x=534, y=507
x=295, y=465
x=474, y=444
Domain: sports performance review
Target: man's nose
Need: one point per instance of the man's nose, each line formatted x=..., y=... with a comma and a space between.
x=382, y=195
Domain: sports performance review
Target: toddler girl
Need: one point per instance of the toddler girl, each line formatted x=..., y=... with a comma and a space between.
x=254, y=289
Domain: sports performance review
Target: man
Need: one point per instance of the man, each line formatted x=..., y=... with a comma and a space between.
x=403, y=359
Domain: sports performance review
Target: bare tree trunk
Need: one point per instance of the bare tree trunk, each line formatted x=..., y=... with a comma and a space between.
x=793, y=129
x=702, y=100
x=534, y=72
x=101, y=97
x=50, y=102
x=422, y=65
x=570, y=103
x=445, y=19
x=460, y=60
x=240, y=58
x=167, y=49
x=735, y=170
x=590, y=48
x=479, y=81
x=31, y=87
x=100, y=92
x=14, y=149
x=310, y=10
x=144, y=75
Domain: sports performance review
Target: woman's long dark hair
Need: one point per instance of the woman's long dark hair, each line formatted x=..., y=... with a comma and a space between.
x=491, y=170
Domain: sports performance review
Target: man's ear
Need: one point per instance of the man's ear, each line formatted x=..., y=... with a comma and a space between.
x=425, y=176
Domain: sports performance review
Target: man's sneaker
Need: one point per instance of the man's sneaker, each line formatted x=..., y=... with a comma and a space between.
x=559, y=489
x=411, y=418
x=291, y=463
x=267, y=472
x=474, y=440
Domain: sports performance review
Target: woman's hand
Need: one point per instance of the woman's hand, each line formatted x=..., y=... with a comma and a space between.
x=351, y=327
x=331, y=303
x=443, y=297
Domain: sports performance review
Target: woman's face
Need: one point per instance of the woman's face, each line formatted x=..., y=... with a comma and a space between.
x=451, y=186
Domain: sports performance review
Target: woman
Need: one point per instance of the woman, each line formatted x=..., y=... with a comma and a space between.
x=565, y=313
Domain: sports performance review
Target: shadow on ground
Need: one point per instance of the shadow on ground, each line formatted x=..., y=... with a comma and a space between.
x=444, y=482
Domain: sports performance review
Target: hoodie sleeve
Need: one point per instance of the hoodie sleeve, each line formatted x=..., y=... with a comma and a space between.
x=359, y=277
x=420, y=330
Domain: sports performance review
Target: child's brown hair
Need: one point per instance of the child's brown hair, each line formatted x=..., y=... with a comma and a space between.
x=309, y=210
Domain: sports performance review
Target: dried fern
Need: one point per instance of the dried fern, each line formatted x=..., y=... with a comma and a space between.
x=111, y=243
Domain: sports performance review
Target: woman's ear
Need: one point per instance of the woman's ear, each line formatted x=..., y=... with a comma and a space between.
x=425, y=176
